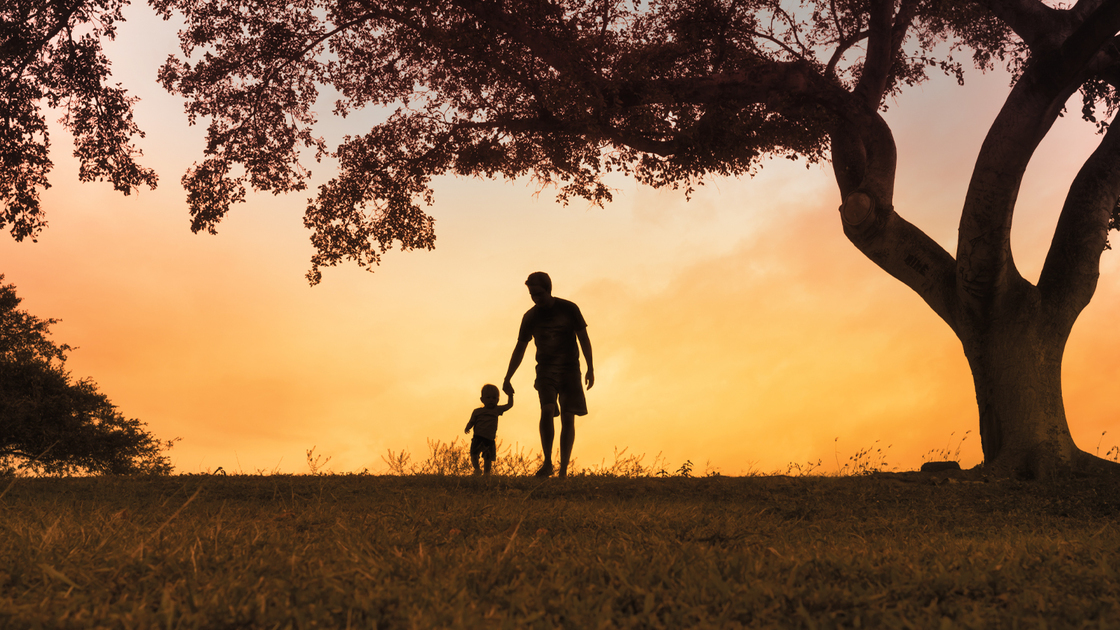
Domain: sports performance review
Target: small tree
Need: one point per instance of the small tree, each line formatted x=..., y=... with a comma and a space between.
x=50, y=424
x=50, y=53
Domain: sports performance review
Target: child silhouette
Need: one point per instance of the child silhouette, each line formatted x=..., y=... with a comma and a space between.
x=484, y=421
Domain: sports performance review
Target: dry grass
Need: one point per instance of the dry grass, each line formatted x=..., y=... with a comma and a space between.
x=592, y=551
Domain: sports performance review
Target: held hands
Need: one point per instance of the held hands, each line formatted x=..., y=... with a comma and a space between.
x=507, y=387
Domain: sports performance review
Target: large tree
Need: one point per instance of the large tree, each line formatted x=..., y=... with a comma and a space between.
x=51, y=423
x=671, y=91
x=50, y=55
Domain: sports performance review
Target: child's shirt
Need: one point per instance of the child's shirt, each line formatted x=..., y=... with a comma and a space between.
x=485, y=420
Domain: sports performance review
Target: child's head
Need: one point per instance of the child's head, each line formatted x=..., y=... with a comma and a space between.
x=490, y=395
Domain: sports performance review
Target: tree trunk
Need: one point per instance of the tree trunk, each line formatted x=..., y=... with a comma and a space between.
x=1016, y=360
x=1013, y=332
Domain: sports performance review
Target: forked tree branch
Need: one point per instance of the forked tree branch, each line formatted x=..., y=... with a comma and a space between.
x=1069, y=275
x=984, y=259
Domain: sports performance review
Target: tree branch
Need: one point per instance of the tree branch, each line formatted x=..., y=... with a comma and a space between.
x=902, y=22
x=1038, y=25
x=517, y=28
x=761, y=83
x=907, y=253
x=35, y=48
x=842, y=47
x=864, y=158
x=984, y=256
x=1069, y=275
x=880, y=54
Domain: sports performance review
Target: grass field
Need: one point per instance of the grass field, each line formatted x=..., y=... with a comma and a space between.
x=361, y=551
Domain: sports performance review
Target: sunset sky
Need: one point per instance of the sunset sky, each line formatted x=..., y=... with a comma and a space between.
x=739, y=330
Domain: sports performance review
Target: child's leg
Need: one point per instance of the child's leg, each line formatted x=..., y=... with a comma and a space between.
x=475, y=452
x=489, y=453
x=486, y=463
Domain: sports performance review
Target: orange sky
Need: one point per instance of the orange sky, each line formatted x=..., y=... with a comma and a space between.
x=739, y=330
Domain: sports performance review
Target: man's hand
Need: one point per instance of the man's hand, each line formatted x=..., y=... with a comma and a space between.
x=590, y=377
x=507, y=387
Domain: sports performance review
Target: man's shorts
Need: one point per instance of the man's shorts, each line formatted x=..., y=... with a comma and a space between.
x=485, y=447
x=564, y=386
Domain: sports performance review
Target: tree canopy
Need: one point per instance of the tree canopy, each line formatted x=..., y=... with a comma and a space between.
x=50, y=423
x=51, y=55
x=565, y=92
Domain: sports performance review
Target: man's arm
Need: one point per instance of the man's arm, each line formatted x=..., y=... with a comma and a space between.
x=585, y=343
x=514, y=363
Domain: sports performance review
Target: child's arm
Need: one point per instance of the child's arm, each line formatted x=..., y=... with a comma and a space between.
x=509, y=405
x=469, y=424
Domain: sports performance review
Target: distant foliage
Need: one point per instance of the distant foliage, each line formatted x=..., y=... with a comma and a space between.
x=51, y=424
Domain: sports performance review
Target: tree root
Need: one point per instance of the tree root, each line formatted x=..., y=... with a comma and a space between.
x=1087, y=464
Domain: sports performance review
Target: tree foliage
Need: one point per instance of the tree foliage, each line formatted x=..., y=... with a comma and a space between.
x=668, y=91
x=52, y=424
x=51, y=55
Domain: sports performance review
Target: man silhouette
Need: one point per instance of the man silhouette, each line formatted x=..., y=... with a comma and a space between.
x=554, y=325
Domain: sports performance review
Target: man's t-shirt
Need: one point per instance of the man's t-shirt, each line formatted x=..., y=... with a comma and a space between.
x=554, y=331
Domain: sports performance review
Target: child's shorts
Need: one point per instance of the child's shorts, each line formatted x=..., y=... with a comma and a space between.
x=484, y=447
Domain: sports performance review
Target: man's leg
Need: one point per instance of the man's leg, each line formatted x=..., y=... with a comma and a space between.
x=567, y=439
x=548, y=434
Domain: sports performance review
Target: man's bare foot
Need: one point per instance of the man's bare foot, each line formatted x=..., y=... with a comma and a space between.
x=544, y=471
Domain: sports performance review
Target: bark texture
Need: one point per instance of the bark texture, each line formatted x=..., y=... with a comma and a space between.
x=1016, y=362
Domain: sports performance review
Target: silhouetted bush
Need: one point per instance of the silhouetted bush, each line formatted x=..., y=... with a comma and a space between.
x=50, y=424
